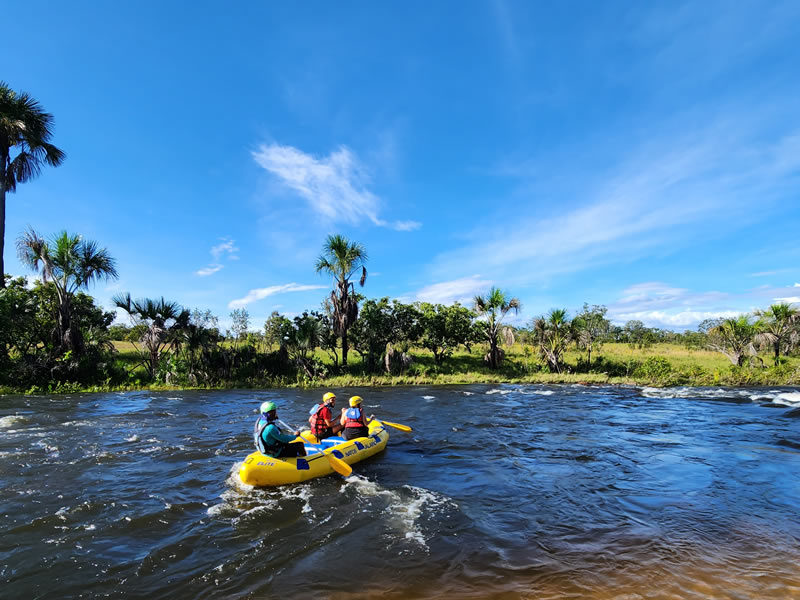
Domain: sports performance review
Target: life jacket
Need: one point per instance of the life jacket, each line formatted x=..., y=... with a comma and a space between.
x=318, y=424
x=258, y=437
x=353, y=418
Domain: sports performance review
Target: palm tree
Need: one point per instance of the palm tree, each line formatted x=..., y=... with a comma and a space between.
x=71, y=263
x=553, y=334
x=342, y=259
x=778, y=324
x=25, y=131
x=734, y=338
x=162, y=321
x=494, y=306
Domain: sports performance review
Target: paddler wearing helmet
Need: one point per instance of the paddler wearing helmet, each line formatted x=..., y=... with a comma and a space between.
x=269, y=438
x=353, y=420
x=321, y=420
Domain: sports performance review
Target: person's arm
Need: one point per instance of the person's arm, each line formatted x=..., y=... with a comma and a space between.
x=273, y=432
x=343, y=419
x=327, y=416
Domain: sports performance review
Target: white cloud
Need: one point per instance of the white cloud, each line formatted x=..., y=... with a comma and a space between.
x=788, y=299
x=225, y=249
x=209, y=270
x=658, y=304
x=763, y=273
x=261, y=293
x=335, y=186
x=458, y=290
x=660, y=199
x=684, y=318
x=407, y=225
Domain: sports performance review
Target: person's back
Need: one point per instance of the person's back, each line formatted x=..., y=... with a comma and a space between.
x=353, y=420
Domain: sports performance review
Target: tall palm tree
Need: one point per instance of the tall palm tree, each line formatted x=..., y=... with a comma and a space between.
x=162, y=320
x=342, y=259
x=71, y=263
x=25, y=131
x=778, y=324
x=494, y=306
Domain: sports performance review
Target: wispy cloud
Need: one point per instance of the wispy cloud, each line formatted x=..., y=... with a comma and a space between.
x=458, y=290
x=661, y=305
x=407, y=225
x=505, y=25
x=668, y=320
x=666, y=193
x=209, y=270
x=335, y=186
x=658, y=304
x=225, y=249
x=261, y=293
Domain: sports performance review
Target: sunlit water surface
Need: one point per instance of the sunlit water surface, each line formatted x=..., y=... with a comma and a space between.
x=500, y=492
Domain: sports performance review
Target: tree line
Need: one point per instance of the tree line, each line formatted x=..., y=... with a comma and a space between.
x=53, y=333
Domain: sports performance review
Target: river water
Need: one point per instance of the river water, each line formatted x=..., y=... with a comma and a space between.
x=499, y=492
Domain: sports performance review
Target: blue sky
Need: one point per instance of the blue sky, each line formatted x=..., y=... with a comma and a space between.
x=645, y=156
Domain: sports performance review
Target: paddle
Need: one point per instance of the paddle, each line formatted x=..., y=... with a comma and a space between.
x=338, y=464
x=396, y=425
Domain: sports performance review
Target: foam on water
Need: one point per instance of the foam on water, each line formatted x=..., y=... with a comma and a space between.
x=428, y=397
x=404, y=507
x=787, y=398
x=10, y=420
x=784, y=397
x=498, y=391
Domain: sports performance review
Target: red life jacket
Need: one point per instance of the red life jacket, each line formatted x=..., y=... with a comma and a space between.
x=317, y=422
x=353, y=418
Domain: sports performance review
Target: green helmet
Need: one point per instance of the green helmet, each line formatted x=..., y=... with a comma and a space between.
x=267, y=406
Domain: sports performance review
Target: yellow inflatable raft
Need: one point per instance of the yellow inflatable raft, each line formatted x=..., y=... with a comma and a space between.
x=260, y=470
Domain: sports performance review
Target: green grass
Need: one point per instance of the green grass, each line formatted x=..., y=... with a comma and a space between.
x=664, y=364
x=612, y=364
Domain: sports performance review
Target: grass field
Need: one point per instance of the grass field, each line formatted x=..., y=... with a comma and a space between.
x=612, y=364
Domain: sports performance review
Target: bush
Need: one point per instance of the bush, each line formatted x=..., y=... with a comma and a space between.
x=654, y=368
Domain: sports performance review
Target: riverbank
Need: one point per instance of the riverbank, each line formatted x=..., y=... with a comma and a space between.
x=661, y=365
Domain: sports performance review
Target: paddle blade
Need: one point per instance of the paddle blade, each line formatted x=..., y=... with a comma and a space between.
x=339, y=465
x=397, y=426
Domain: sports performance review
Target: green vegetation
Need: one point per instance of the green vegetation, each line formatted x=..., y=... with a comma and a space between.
x=168, y=346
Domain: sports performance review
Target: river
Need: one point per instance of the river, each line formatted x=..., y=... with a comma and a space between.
x=499, y=492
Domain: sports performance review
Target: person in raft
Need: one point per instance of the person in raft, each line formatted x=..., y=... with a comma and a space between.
x=269, y=439
x=354, y=421
x=321, y=420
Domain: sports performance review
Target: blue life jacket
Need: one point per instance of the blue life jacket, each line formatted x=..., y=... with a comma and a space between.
x=353, y=418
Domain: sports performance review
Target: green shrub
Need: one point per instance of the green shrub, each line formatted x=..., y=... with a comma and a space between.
x=654, y=368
